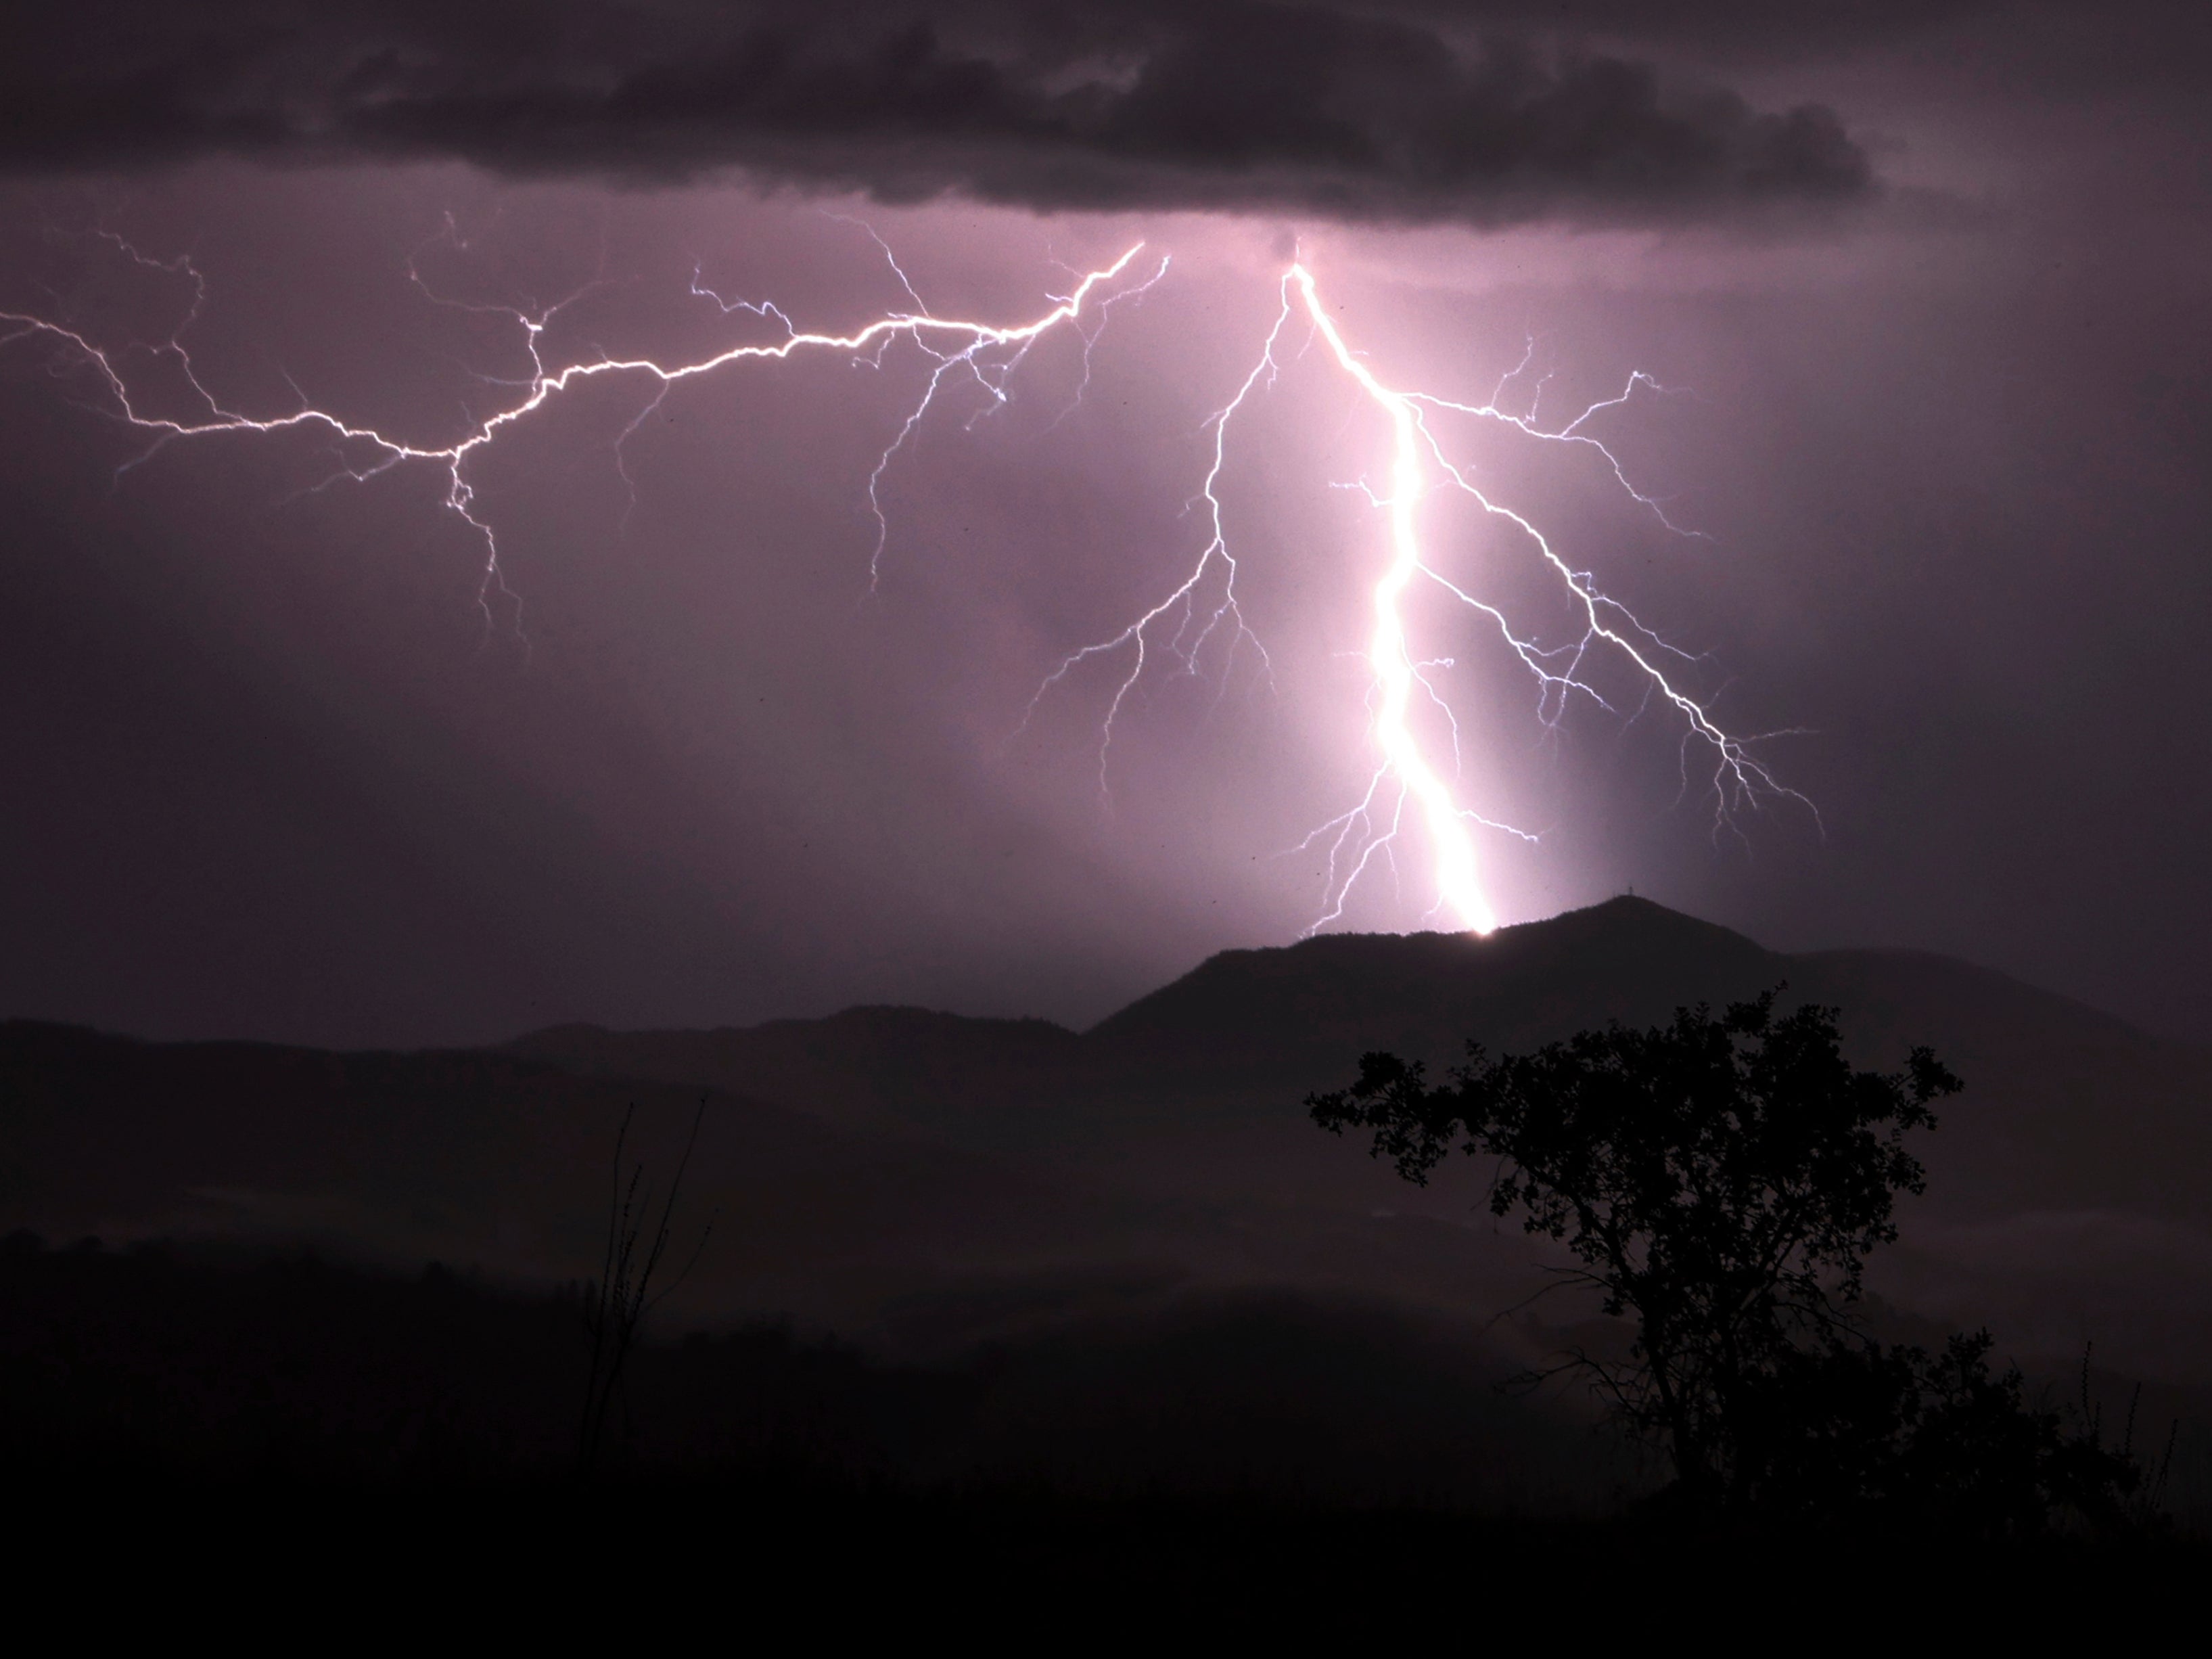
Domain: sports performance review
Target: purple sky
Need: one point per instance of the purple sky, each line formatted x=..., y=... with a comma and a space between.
x=1927, y=289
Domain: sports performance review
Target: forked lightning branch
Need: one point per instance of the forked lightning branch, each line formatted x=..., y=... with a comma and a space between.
x=1410, y=802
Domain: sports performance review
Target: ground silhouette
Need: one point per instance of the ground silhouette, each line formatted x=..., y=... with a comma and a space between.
x=269, y=1440
x=1126, y=1245
x=1719, y=1183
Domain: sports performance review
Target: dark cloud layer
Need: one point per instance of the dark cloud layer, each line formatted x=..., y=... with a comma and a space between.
x=1337, y=109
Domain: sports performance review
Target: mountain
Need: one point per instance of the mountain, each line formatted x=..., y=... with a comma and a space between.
x=928, y=1180
x=2066, y=1106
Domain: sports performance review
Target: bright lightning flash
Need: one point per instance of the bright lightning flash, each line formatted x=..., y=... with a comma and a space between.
x=1737, y=778
x=1388, y=656
x=1201, y=608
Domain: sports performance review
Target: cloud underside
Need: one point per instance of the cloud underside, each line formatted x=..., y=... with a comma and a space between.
x=1300, y=108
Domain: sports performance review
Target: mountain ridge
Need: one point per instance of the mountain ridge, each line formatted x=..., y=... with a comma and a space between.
x=887, y=1159
x=1544, y=939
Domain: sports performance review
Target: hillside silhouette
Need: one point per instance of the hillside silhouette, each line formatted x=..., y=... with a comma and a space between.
x=2066, y=1197
x=1101, y=1308
x=2070, y=1105
x=161, y=1361
x=929, y=1184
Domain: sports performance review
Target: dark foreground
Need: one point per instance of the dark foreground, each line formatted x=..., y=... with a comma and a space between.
x=235, y=1445
x=775, y=1557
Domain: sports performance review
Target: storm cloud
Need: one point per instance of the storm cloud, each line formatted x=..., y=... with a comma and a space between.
x=1334, y=110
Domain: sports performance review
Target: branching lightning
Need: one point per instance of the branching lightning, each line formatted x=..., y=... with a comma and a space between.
x=1407, y=793
x=1203, y=606
x=955, y=345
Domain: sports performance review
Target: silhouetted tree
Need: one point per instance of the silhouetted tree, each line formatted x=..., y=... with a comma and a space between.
x=618, y=1302
x=1850, y=1423
x=1720, y=1182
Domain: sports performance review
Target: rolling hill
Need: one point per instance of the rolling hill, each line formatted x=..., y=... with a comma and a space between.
x=927, y=1180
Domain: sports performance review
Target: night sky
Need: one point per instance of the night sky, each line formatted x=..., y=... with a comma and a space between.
x=1924, y=287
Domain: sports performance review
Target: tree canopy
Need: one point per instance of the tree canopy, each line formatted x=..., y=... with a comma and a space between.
x=1720, y=1181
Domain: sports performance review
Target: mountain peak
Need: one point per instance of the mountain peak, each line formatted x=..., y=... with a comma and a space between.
x=1342, y=993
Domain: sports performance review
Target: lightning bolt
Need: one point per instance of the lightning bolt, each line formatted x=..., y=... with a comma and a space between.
x=1406, y=789
x=1203, y=606
x=953, y=343
x=1739, y=779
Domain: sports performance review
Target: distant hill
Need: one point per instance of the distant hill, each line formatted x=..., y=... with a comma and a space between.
x=2066, y=1105
x=502, y=1163
x=932, y=1179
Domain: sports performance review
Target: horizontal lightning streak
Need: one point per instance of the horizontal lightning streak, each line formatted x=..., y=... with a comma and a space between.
x=961, y=340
